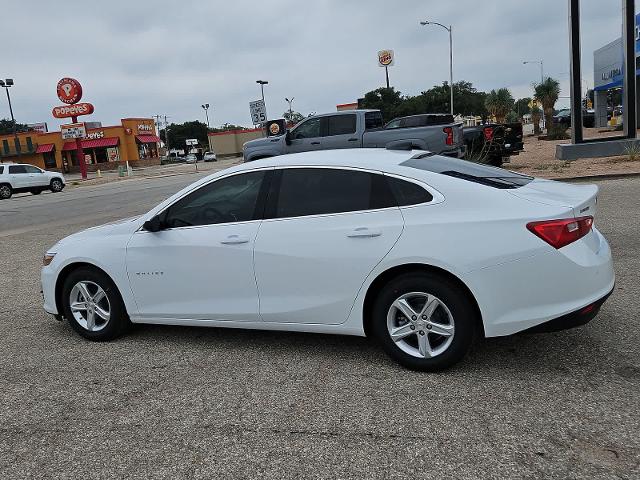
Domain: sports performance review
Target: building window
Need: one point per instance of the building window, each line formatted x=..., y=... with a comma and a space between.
x=5, y=146
x=29, y=144
x=16, y=141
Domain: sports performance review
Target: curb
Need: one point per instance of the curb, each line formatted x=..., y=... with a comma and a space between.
x=606, y=176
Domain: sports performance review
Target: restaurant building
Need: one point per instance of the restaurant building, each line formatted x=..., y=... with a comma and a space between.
x=134, y=140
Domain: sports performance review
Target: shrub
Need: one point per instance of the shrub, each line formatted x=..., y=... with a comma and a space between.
x=558, y=133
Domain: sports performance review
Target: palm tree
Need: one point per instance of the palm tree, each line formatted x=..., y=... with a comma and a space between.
x=535, y=118
x=547, y=94
x=499, y=103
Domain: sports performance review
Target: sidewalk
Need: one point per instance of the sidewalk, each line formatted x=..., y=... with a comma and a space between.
x=75, y=179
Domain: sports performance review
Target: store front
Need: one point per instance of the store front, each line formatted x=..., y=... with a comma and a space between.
x=96, y=151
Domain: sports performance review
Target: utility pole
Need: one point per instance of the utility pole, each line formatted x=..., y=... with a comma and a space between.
x=166, y=135
x=6, y=83
x=290, y=109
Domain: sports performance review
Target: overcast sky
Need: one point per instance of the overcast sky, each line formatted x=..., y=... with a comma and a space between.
x=141, y=58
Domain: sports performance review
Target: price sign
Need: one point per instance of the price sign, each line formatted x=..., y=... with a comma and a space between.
x=258, y=112
x=73, y=130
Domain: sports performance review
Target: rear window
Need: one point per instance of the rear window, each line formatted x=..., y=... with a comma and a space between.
x=408, y=193
x=373, y=120
x=469, y=171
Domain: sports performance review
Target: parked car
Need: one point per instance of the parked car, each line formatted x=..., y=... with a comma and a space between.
x=422, y=120
x=21, y=177
x=191, y=158
x=357, y=129
x=422, y=251
x=563, y=118
x=210, y=157
x=494, y=142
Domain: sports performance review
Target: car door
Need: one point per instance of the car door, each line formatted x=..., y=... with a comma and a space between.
x=340, y=131
x=18, y=176
x=199, y=266
x=36, y=177
x=325, y=229
x=306, y=136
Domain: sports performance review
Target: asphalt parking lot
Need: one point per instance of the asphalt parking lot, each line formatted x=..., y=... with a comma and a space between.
x=218, y=403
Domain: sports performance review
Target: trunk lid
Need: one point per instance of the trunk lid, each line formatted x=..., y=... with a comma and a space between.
x=582, y=199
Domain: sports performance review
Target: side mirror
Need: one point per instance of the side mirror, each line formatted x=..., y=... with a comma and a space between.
x=287, y=137
x=153, y=225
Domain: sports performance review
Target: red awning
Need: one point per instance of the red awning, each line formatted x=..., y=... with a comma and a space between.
x=45, y=148
x=147, y=139
x=96, y=143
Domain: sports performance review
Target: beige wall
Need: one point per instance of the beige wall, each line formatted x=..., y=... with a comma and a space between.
x=230, y=143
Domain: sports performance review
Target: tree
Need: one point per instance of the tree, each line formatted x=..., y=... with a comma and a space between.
x=180, y=132
x=387, y=100
x=547, y=94
x=521, y=107
x=226, y=127
x=499, y=103
x=293, y=117
x=6, y=126
x=536, y=113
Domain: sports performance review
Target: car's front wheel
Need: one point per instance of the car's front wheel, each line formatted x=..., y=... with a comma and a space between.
x=425, y=322
x=93, y=305
x=56, y=185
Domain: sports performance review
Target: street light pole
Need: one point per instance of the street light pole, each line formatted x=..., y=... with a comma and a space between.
x=205, y=107
x=6, y=83
x=290, y=109
x=450, y=30
x=262, y=84
x=541, y=63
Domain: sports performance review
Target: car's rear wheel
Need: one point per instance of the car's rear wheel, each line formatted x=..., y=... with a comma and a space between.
x=93, y=305
x=56, y=185
x=425, y=322
x=5, y=191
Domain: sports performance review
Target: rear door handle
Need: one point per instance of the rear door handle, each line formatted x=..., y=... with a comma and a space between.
x=235, y=240
x=364, y=232
x=352, y=140
x=315, y=143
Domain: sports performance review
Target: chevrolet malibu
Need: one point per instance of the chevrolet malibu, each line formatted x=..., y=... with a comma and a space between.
x=420, y=251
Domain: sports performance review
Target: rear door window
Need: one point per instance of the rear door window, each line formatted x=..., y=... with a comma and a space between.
x=341, y=125
x=320, y=191
x=408, y=193
x=17, y=169
x=373, y=120
x=31, y=169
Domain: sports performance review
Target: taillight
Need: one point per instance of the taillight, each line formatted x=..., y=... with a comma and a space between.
x=449, y=132
x=560, y=233
x=488, y=133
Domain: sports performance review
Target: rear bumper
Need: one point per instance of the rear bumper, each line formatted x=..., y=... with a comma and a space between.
x=571, y=320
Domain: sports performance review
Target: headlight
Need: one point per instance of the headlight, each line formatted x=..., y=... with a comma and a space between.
x=48, y=258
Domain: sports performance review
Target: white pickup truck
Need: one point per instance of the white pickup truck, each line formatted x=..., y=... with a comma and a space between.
x=358, y=129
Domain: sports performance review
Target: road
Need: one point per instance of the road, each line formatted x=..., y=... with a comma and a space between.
x=218, y=403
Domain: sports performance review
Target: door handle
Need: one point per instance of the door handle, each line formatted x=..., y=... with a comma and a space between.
x=315, y=143
x=235, y=240
x=275, y=140
x=364, y=232
x=352, y=140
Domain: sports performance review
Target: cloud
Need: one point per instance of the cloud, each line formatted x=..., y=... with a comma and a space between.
x=147, y=58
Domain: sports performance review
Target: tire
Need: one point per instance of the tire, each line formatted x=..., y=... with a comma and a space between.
x=94, y=281
x=5, y=191
x=56, y=185
x=453, y=314
x=36, y=191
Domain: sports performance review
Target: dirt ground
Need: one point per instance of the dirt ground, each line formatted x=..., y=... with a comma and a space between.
x=538, y=159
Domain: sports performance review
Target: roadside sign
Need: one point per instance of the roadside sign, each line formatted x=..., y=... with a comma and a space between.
x=73, y=130
x=191, y=141
x=69, y=90
x=385, y=58
x=66, y=111
x=258, y=112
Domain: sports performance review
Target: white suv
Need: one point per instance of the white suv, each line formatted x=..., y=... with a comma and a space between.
x=20, y=177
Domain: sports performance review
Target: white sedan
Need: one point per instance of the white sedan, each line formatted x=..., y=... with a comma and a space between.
x=421, y=251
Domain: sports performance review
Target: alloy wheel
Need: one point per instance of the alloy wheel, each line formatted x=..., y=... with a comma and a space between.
x=56, y=185
x=90, y=306
x=5, y=191
x=420, y=324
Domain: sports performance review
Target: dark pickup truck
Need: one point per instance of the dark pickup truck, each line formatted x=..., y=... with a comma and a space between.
x=493, y=142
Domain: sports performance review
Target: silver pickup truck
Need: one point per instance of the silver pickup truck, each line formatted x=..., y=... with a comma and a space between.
x=357, y=129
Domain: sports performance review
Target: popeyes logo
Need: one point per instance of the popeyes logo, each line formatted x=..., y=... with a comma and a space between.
x=69, y=90
x=95, y=135
x=66, y=111
x=145, y=127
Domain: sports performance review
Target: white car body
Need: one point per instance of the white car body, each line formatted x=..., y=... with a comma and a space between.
x=22, y=177
x=210, y=157
x=313, y=273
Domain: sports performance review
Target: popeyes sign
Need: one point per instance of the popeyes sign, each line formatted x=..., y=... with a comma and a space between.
x=66, y=111
x=69, y=90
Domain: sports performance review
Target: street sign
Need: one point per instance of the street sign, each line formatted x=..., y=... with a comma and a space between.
x=385, y=58
x=69, y=90
x=73, y=130
x=66, y=111
x=191, y=141
x=258, y=112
